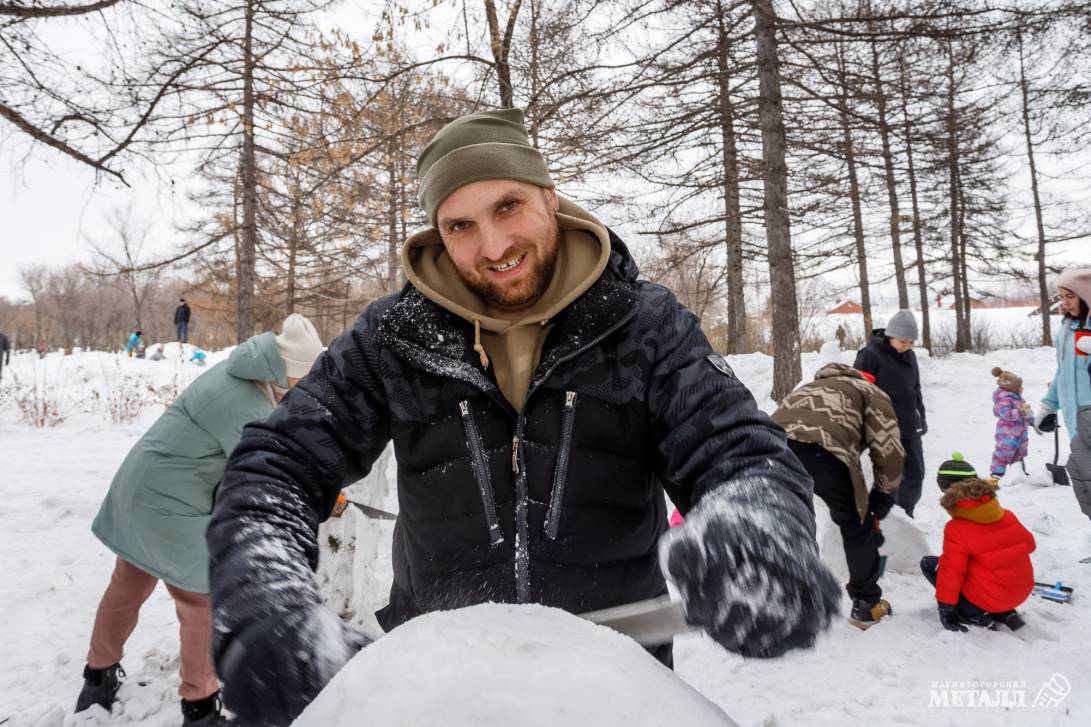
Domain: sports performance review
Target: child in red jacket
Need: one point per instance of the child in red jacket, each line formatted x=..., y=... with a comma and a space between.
x=985, y=570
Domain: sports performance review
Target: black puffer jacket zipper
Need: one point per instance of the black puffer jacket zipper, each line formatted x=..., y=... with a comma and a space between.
x=560, y=474
x=480, y=464
x=522, y=535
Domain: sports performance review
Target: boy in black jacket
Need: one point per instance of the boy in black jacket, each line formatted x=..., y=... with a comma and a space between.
x=889, y=357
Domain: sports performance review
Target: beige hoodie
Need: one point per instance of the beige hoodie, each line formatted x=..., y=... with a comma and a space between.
x=513, y=348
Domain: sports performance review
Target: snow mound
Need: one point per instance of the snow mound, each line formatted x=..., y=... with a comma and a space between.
x=496, y=665
x=904, y=544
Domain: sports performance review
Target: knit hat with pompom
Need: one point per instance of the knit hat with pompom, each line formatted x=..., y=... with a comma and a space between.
x=1007, y=381
x=954, y=470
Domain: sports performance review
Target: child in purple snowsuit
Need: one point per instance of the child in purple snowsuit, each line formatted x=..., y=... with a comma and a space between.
x=1013, y=421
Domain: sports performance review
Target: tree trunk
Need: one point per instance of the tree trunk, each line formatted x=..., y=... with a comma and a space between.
x=1043, y=291
x=953, y=197
x=891, y=184
x=918, y=241
x=244, y=317
x=293, y=250
x=967, y=300
x=736, y=300
x=393, y=260
x=787, y=369
x=849, y=154
x=501, y=49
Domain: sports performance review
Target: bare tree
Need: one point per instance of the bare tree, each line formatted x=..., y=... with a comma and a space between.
x=787, y=368
x=126, y=265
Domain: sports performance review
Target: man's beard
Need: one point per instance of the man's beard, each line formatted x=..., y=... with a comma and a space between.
x=493, y=293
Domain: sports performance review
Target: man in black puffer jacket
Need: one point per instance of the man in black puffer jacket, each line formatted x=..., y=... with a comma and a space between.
x=540, y=398
x=889, y=357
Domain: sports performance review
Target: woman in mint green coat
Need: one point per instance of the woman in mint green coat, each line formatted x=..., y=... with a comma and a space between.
x=159, y=503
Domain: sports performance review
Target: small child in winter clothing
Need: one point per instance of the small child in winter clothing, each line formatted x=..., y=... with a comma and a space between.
x=984, y=571
x=1014, y=418
x=133, y=342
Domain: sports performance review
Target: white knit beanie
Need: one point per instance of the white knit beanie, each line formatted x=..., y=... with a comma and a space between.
x=299, y=345
x=1078, y=281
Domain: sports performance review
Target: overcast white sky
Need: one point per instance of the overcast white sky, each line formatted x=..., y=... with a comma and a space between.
x=51, y=207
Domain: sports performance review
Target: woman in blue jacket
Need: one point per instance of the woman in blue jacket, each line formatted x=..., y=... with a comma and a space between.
x=1071, y=387
x=1070, y=392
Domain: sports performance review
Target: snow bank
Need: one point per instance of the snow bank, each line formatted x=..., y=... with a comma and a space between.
x=54, y=571
x=501, y=665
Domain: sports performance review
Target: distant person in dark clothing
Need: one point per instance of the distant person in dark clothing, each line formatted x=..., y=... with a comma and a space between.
x=181, y=320
x=889, y=357
x=5, y=352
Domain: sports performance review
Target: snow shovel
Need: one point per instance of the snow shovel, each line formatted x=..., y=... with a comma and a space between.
x=651, y=622
x=1060, y=474
x=368, y=511
x=1056, y=592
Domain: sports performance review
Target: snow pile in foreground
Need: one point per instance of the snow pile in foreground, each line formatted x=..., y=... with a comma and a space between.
x=905, y=671
x=499, y=665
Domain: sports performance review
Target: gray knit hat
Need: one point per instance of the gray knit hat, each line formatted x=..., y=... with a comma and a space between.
x=476, y=147
x=902, y=324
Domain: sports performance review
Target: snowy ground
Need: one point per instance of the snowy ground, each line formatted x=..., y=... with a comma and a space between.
x=899, y=672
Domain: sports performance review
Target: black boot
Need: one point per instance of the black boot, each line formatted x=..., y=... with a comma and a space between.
x=100, y=687
x=205, y=713
x=1011, y=619
x=865, y=615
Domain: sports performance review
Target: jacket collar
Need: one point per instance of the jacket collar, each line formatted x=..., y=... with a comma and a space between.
x=985, y=509
x=429, y=337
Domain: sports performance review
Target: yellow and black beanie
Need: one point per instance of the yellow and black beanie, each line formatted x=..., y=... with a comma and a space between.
x=954, y=470
x=476, y=147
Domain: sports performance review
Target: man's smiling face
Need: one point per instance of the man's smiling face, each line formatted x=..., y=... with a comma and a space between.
x=502, y=236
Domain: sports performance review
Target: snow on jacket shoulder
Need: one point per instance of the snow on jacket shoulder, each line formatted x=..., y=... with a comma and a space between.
x=560, y=503
x=159, y=502
x=987, y=560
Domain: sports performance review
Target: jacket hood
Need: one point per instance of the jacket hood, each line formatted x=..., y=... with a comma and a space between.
x=968, y=489
x=585, y=252
x=257, y=359
x=834, y=370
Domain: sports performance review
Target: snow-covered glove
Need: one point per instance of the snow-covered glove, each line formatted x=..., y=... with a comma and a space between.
x=948, y=616
x=879, y=503
x=274, y=668
x=1045, y=421
x=747, y=566
x=923, y=428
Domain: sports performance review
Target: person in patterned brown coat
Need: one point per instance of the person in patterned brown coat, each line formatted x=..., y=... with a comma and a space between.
x=829, y=421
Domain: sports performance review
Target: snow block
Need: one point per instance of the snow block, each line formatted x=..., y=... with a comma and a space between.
x=904, y=547
x=497, y=665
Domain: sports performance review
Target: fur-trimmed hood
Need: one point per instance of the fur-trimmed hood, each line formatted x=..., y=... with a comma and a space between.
x=968, y=489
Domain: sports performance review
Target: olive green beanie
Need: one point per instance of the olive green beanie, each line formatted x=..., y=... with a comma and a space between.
x=476, y=147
